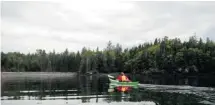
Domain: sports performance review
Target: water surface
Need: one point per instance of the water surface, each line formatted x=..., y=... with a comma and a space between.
x=76, y=90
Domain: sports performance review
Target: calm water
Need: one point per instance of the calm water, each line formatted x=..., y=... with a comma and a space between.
x=93, y=90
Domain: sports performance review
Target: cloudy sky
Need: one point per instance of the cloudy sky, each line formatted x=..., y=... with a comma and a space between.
x=27, y=26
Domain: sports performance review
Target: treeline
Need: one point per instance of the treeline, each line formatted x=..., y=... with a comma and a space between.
x=164, y=55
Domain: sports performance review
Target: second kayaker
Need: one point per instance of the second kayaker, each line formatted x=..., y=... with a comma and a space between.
x=123, y=78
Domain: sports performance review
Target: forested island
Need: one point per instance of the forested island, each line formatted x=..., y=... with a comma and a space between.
x=164, y=55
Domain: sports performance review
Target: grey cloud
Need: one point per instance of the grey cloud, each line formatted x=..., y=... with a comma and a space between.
x=144, y=21
x=210, y=33
x=8, y=12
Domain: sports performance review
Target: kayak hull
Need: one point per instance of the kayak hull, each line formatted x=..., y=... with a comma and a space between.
x=116, y=83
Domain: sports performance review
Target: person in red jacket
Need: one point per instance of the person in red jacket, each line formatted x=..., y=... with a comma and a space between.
x=123, y=78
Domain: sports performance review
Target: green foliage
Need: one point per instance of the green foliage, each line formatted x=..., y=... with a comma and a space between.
x=164, y=55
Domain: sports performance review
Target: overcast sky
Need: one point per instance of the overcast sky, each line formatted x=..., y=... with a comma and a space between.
x=27, y=26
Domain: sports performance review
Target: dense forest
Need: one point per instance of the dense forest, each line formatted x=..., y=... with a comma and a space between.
x=164, y=55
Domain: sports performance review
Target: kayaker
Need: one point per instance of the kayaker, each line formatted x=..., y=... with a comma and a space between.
x=123, y=78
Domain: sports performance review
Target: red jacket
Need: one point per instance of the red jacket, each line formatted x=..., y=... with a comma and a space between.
x=123, y=78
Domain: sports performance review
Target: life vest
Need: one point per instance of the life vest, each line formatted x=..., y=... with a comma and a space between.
x=122, y=78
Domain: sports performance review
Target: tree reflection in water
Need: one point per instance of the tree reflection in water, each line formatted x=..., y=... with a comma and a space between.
x=89, y=90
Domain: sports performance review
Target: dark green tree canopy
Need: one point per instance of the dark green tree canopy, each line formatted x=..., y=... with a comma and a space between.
x=163, y=55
